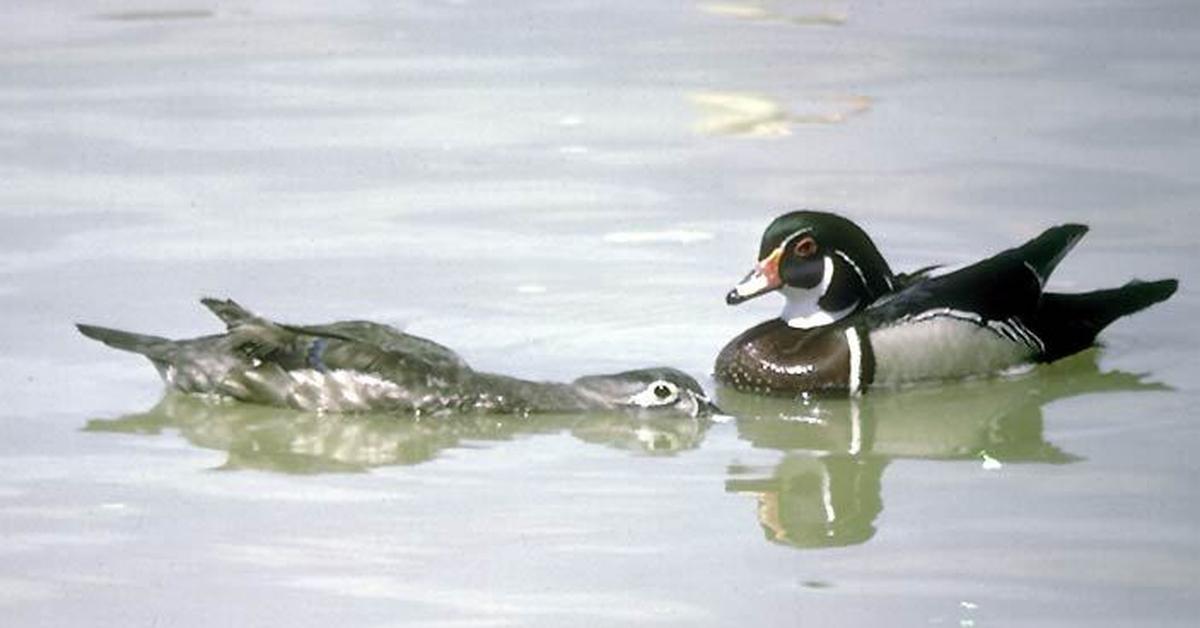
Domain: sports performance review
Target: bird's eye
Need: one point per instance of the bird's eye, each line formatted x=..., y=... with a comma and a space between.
x=806, y=247
x=659, y=393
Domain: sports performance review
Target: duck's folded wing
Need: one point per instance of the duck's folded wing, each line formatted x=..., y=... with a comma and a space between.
x=387, y=338
x=996, y=292
x=1004, y=286
x=378, y=335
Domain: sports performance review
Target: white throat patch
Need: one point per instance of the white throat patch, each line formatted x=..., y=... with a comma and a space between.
x=801, y=309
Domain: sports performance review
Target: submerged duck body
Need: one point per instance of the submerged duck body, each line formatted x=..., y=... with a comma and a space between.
x=361, y=366
x=850, y=323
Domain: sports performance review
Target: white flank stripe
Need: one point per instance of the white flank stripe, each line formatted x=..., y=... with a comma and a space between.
x=852, y=342
x=944, y=311
x=1013, y=331
x=1012, y=328
x=1031, y=338
x=1005, y=330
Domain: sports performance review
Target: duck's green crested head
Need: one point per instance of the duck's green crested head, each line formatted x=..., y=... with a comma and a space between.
x=660, y=390
x=826, y=266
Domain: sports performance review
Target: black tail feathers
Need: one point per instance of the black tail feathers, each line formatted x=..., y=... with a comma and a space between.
x=1044, y=252
x=126, y=341
x=1068, y=323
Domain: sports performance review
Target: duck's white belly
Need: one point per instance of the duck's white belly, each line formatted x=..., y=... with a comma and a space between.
x=937, y=345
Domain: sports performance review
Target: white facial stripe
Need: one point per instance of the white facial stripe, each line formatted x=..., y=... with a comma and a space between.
x=787, y=242
x=857, y=270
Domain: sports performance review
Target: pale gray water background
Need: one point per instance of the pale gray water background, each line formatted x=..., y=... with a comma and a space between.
x=563, y=187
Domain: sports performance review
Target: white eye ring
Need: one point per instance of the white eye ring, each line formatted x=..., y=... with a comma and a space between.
x=657, y=393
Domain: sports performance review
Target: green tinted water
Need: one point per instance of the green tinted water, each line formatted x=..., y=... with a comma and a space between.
x=561, y=188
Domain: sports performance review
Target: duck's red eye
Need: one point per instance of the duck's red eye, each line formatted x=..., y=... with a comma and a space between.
x=806, y=247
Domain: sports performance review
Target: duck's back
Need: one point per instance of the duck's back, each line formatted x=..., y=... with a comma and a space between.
x=377, y=335
x=388, y=338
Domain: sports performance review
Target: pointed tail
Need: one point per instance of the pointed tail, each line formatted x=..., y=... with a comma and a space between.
x=1070, y=322
x=151, y=346
x=228, y=311
x=1044, y=252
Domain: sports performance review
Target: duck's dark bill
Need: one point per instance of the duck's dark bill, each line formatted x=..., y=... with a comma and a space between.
x=706, y=409
x=763, y=279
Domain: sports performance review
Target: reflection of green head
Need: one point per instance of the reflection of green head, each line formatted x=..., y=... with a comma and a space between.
x=818, y=501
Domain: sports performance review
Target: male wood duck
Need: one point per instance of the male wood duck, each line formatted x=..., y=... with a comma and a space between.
x=360, y=366
x=849, y=323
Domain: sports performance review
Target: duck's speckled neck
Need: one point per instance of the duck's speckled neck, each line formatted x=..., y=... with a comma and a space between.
x=500, y=393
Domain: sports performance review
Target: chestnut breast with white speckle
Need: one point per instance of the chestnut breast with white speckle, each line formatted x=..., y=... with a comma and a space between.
x=773, y=358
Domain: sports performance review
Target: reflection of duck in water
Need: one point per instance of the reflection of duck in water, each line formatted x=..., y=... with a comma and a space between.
x=812, y=500
x=359, y=366
x=288, y=441
x=849, y=323
x=826, y=490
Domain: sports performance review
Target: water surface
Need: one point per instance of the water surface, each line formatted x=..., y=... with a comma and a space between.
x=556, y=188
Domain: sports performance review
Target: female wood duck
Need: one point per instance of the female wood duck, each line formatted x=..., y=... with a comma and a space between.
x=850, y=323
x=359, y=366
